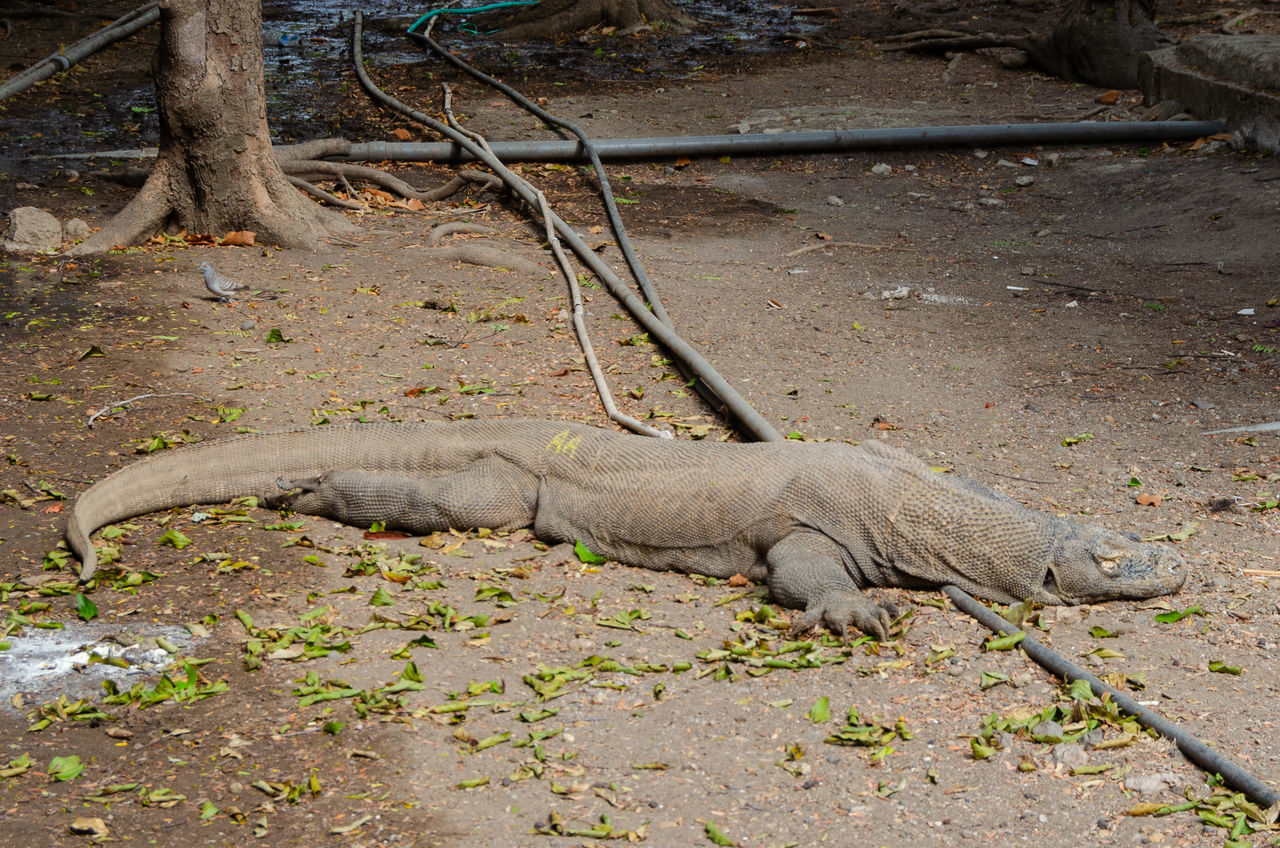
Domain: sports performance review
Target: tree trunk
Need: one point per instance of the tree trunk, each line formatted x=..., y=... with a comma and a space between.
x=1099, y=41
x=216, y=171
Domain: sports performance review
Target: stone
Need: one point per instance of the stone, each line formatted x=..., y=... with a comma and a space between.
x=32, y=230
x=1151, y=784
x=881, y=169
x=75, y=230
x=832, y=200
x=1070, y=754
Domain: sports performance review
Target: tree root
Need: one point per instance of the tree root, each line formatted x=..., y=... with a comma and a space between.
x=442, y=231
x=1094, y=41
x=491, y=257
x=553, y=17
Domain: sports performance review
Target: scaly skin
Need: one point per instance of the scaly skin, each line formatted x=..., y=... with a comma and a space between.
x=817, y=521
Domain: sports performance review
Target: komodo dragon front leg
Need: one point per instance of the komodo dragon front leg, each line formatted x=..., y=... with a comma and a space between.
x=807, y=571
x=491, y=493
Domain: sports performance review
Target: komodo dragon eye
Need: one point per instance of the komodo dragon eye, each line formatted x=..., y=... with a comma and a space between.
x=1108, y=560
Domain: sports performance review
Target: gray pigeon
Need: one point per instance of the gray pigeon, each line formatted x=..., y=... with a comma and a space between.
x=223, y=287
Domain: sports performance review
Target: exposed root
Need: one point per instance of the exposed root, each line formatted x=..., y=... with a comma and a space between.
x=320, y=194
x=1094, y=41
x=491, y=257
x=452, y=228
x=554, y=17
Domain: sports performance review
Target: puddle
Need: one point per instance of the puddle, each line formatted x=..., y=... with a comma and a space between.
x=43, y=664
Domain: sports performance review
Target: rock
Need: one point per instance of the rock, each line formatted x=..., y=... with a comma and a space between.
x=991, y=201
x=832, y=200
x=75, y=230
x=1047, y=731
x=248, y=325
x=1027, y=271
x=1072, y=304
x=1005, y=163
x=1150, y=784
x=895, y=294
x=1024, y=181
x=1070, y=754
x=880, y=169
x=979, y=154
x=32, y=230
x=90, y=826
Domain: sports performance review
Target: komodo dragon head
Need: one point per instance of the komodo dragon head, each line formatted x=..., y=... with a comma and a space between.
x=1089, y=563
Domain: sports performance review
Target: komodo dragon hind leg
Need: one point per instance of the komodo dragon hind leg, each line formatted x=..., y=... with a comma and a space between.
x=806, y=572
x=489, y=493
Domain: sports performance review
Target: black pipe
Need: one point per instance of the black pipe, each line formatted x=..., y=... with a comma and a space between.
x=746, y=415
x=1195, y=750
x=122, y=27
x=769, y=144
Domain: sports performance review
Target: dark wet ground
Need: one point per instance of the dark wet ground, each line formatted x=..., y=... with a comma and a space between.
x=107, y=103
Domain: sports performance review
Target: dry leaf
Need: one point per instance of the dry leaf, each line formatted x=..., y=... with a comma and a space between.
x=239, y=238
x=1145, y=499
x=402, y=134
x=738, y=581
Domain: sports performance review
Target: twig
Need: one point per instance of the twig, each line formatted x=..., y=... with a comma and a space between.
x=123, y=403
x=823, y=245
x=1260, y=572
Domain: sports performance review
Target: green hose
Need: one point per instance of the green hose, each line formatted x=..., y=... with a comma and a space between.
x=486, y=8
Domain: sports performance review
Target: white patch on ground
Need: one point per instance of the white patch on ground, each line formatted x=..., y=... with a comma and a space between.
x=43, y=664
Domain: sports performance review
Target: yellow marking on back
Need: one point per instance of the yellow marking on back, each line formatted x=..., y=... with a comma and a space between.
x=562, y=443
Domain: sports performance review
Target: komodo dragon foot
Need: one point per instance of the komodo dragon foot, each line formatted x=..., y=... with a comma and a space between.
x=807, y=571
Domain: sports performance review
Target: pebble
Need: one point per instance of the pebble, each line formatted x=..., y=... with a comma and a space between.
x=1070, y=754
x=991, y=201
x=1072, y=304
x=1150, y=784
x=1024, y=181
x=979, y=154
x=248, y=325
x=832, y=200
x=895, y=294
x=1047, y=731
x=1005, y=163
x=881, y=169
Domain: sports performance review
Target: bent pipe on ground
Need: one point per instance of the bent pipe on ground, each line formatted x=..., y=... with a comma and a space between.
x=585, y=146
x=1195, y=750
x=768, y=144
x=745, y=414
x=121, y=28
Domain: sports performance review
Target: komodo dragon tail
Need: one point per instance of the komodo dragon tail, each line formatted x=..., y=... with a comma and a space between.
x=218, y=471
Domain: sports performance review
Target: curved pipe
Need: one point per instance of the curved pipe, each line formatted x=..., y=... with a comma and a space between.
x=121, y=28
x=1195, y=750
x=745, y=414
x=769, y=144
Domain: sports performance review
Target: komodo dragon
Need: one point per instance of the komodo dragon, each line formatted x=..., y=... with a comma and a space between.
x=817, y=522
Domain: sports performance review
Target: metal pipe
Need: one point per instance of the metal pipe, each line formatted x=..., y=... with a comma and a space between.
x=121, y=28
x=747, y=417
x=769, y=144
x=1195, y=750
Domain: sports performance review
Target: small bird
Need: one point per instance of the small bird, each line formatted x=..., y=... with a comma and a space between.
x=222, y=287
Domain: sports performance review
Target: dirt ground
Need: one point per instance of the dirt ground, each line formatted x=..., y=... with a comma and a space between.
x=1075, y=320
